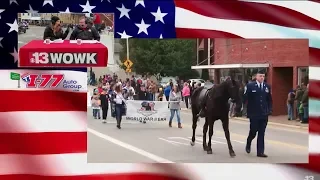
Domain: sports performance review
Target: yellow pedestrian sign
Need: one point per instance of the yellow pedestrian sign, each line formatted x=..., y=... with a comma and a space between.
x=128, y=63
x=128, y=70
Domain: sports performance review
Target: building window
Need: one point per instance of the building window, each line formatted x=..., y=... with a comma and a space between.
x=303, y=75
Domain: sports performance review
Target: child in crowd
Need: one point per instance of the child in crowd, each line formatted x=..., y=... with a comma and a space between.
x=160, y=96
x=95, y=103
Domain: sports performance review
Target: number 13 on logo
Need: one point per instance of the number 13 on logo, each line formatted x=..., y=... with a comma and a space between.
x=40, y=58
x=309, y=178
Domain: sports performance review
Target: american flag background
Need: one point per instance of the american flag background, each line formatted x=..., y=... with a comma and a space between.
x=43, y=132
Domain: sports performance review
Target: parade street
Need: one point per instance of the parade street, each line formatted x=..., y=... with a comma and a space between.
x=33, y=33
x=156, y=142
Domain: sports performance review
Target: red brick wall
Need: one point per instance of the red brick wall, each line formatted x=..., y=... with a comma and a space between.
x=276, y=52
x=283, y=53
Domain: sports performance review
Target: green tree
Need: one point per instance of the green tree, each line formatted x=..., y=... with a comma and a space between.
x=167, y=57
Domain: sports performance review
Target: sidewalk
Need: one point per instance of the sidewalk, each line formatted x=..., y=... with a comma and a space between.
x=273, y=120
x=280, y=121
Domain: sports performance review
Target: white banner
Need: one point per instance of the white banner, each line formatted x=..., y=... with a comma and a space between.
x=147, y=110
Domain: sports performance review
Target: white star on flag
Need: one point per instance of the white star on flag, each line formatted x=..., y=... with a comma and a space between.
x=87, y=7
x=142, y=27
x=159, y=15
x=47, y=2
x=141, y=2
x=161, y=37
x=1, y=10
x=124, y=35
x=31, y=10
x=15, y=55
x=13, y=26
x=13, y=1
x=124, y=11
x=66, y=11
x=0, y=42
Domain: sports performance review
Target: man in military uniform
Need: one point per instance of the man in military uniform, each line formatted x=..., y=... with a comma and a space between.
x=259, y=107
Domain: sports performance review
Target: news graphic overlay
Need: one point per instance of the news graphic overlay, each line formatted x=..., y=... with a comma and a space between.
x=48, y=80
x=65, y=39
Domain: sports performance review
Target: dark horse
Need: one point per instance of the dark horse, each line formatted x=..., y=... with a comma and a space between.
x=214, y=102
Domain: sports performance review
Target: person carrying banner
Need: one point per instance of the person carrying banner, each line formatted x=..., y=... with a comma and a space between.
x=174, y=105
x=119, y=104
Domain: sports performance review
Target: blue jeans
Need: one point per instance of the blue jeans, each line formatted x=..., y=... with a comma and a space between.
x=305, y=114
x=173, y=111
x=290, y=111
x=96, y=113
x=118, y=113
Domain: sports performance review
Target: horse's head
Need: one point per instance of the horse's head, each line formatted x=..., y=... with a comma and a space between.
x=233, y=89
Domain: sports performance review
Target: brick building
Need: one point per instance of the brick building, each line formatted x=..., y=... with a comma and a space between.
x=286, y=62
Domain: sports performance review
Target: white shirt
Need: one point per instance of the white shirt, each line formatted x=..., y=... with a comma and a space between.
x=119, y=98
x=260, y=85
x=130, y=88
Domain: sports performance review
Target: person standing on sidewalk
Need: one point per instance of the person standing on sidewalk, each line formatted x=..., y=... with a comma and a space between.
x=305, y=105
x=186, y=94
x=174, y=105
x=290, y=104
x=299, y=93
x=259, y=107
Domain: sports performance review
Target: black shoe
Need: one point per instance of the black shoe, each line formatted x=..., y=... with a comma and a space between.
x=118, y=126
x=144, y=122
x=248, y=149
x=262, y=155
x=170, y=123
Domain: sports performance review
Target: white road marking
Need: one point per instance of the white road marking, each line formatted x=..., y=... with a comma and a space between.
x=174, y=142
x=183, y=139
x=212, y=141
x=21, y=42
x=232, y=140
x=129, y=147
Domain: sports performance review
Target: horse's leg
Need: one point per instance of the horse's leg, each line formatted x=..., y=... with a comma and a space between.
x=205, y=130
x=210, y=122
x=194, y=127
x=225, y=125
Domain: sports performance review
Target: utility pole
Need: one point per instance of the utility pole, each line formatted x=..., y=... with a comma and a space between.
x=128, y=53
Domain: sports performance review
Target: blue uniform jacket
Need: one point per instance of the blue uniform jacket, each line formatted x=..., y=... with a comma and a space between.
x=259, y=100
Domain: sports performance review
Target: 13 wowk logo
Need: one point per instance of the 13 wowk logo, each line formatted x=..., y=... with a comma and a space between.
x=71, y=84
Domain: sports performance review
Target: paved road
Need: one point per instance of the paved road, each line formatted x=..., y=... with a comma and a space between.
x=156, y=142
x=34, y=32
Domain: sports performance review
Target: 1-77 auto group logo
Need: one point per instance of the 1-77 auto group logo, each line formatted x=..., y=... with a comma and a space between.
x=46, y=81
x=43, y=80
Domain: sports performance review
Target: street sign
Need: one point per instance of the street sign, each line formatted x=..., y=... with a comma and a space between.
x=128, y=63
x=14, y=76
x=128, y=70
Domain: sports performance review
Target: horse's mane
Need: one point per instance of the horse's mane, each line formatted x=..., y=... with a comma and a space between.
x=218, y=90
x=196, y=91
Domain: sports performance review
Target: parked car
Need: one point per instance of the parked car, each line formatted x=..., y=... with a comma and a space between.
x=165, y=80
x=208, y=85
x=197, y=81
x=22, y=28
